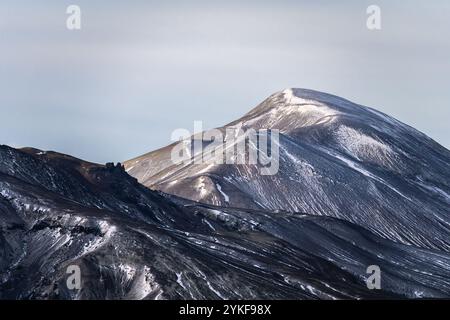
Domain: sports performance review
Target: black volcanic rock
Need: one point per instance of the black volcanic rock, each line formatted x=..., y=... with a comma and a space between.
x=131, y=242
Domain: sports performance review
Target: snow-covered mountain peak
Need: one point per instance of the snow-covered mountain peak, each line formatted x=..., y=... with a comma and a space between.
x=308, y=95
x=331, y=150
x=295, y=108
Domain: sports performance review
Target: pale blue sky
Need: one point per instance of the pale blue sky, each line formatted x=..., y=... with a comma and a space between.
x=139, y=69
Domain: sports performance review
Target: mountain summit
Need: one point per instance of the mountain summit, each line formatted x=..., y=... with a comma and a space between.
x=337, y=159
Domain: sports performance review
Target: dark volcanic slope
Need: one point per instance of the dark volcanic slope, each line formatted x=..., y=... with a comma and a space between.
x=131, y=242
x=337, y=159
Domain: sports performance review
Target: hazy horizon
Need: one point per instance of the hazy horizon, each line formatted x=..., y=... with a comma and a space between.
x=118, y=87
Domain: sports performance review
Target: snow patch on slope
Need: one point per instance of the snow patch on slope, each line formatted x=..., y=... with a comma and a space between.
x=225, y=196
x=359, y=144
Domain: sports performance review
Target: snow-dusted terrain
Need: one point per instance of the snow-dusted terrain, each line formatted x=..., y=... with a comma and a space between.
x=355, y=188
x=337, y=159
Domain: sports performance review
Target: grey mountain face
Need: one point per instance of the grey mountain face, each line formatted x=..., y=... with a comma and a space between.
x=355, y=188
x=337, y=159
